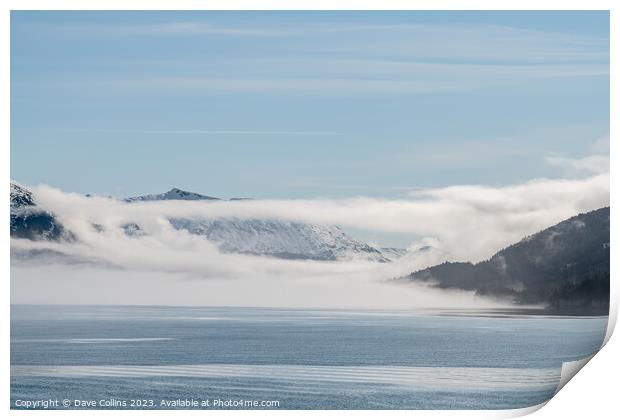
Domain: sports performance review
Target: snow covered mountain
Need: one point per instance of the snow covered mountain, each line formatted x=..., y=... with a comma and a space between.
x=268, y=237
x=173, y=194
x=20, y=197
x=31, y=222
x=394, y=253
x=275, y=238
x=281, y=239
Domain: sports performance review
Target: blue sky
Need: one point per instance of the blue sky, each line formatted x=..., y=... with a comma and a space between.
x=303, y=104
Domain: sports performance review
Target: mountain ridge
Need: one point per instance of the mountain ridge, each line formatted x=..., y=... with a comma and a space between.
x=264, y=237
x=173, y=194
x=565, y=266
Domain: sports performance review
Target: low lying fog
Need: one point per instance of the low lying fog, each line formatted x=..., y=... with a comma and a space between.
x=172, y=267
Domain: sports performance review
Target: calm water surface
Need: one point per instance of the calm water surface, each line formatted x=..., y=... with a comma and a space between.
x=318, y=359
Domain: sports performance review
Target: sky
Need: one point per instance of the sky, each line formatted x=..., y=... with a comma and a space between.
x=306, y=104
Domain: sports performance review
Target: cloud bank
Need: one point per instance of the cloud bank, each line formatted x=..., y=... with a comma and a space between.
x=466, y=223
x=470, y=221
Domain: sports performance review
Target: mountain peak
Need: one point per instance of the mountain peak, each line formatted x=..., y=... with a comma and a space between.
x=20, y=197
x=174, y=194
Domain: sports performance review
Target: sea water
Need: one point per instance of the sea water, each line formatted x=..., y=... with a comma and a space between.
x=165, y=357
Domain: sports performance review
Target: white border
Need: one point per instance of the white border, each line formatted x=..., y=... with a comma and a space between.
x=591, y=394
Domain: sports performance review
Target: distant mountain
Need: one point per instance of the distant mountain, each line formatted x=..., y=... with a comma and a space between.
x=173, y=194
x=267, y=237
x=565, y=266
x=396, y=253
x=281, y=239
x=393, y=253
x=31, y=222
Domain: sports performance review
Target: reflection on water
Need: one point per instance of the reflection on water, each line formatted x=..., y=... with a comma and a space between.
x=303, y=358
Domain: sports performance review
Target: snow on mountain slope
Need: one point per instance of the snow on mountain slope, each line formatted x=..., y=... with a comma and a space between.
x=393, y=253
x=282, y=239
x=173, y=194
x=31, y=222
x=276, y=238
x=269, y=237
x=20, y=197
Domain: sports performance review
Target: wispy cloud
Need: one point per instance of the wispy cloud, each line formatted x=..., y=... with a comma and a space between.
x=416, y=68
x=597, y=163
x=491, y=43
x=601, y=145
x=434, y=79
x=591, y=164
x=199, y=28
x=171, y=28
x=327, y=59
x=440, y=41
x=198, y=132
